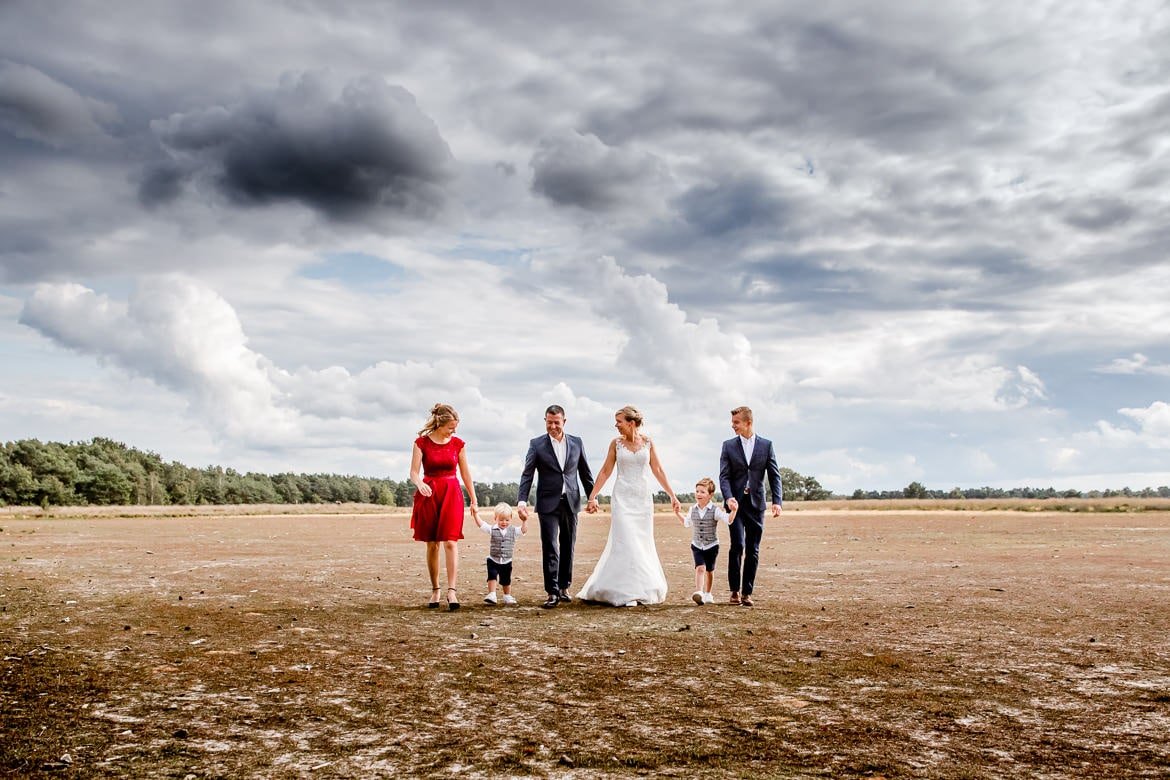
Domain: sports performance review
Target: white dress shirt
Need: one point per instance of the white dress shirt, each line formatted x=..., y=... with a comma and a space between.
x=559, y=447
x=749, y=446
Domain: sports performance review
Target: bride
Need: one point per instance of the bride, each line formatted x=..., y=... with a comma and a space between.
x=629, y=572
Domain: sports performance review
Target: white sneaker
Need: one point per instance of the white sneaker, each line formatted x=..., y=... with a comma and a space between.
x=631, y=603
x=708, y=598
x=508, y=599
x=490, y=598
x=697, y=597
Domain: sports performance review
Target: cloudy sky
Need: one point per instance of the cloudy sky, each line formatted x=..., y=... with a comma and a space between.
x=923, y=241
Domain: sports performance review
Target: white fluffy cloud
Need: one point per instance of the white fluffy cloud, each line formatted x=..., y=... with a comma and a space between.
x=1138, y=364
x=693, y=358
x=1153, y=427
x=186, y=337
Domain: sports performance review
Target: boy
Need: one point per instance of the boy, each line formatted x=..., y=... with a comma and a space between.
x=499, y=560
x=704, y=518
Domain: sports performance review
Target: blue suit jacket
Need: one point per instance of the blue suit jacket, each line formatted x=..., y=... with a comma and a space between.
x=541, y=460
x=744, y=481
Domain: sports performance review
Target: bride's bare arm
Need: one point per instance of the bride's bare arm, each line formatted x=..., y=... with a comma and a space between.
x=602, y=476
x=660, y=475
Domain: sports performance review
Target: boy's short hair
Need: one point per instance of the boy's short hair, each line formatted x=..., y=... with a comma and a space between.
x=503, y=510
x=708, y=483
x=743, y=411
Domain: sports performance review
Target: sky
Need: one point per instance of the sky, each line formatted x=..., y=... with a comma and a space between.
x=923, y=242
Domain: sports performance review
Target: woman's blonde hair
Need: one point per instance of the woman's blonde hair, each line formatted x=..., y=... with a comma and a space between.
x=631, y=414
x=441, y=414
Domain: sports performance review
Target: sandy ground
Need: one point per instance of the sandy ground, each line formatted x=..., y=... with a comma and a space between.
x=941, y=644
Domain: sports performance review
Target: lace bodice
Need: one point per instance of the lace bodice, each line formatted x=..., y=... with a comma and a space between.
x=630, y=470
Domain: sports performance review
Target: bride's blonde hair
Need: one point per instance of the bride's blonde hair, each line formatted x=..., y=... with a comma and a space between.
x=631, y=414
x=441, y=414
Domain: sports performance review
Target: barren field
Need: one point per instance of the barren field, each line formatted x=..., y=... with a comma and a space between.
x=940, y=643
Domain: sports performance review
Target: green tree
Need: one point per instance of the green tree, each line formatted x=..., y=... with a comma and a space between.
x=105, y=484
x=914, y=490
x=813, y=491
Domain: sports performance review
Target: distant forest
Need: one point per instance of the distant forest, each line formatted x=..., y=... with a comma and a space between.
x=106, y=472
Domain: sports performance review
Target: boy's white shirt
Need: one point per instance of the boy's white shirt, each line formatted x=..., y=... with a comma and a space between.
x=487, y=528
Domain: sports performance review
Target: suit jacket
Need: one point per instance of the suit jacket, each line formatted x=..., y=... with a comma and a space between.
x=736, y=474
x=541, y=460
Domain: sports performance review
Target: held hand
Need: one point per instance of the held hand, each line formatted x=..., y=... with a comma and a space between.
x=776, y=509
x=523, y=512
x=592, y=506
x=475, y=512
x=675, y=505
x=732, y=505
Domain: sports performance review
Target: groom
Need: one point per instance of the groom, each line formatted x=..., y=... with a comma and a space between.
x=743, y=464
x=559, y=461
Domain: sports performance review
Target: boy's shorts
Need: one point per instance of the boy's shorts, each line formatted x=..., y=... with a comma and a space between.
x=705, y=557
x=500, y=571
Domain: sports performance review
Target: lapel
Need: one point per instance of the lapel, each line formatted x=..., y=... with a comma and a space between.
x=552, y=454
x=736, y=446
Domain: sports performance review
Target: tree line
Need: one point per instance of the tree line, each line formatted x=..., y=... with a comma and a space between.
x=107, y=472
x=918, y=490
x=104, y=472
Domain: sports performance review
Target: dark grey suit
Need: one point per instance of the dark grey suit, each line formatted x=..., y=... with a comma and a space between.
x=558, y=501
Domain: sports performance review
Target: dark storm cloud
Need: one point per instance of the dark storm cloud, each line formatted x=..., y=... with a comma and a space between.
x=722, y=214
x=369, y=152
x=579, y=170
x=825, y=78
x=23, y=250
x=1099, y=214
x=27, y=258
x=723, y=207
x=36, y=107
x=161, y=183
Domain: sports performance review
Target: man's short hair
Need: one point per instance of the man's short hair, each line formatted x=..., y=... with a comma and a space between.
x=554, y=409
x=743, y=411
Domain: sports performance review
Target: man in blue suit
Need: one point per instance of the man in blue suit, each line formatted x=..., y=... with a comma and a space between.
x=744, y=462
x=558, y=461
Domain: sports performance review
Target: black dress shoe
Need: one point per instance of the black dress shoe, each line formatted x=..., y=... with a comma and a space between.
x=551, y=601
x=565, y=597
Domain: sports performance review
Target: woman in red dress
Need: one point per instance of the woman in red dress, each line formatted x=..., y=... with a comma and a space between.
x=437, y=518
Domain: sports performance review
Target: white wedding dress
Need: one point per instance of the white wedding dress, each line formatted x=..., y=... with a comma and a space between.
x=629, y=570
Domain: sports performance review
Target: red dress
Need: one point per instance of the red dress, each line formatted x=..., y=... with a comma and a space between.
x=439, y=517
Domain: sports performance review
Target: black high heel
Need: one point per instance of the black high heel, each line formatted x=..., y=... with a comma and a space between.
x=453, y=605
x=433, y=604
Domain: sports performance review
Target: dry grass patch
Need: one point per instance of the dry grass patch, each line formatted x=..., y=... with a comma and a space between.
x=952, y=645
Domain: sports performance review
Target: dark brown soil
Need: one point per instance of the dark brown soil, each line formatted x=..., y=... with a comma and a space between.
x=942, y=644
